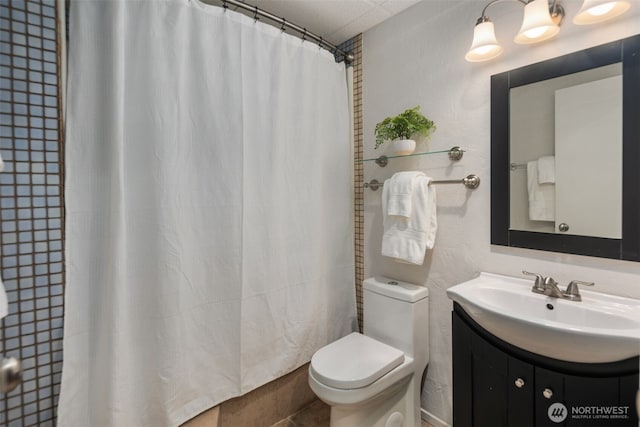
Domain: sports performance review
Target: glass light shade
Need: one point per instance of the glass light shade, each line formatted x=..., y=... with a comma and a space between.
x=594, y=11
x=537, y=24
x=484, y=45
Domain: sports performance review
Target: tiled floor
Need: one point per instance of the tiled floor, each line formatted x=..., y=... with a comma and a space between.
x=314, y=415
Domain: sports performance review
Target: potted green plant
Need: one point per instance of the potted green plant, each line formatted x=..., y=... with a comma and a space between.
x=401, y=128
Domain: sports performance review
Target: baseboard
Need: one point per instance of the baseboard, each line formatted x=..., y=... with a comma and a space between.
x=432, y=419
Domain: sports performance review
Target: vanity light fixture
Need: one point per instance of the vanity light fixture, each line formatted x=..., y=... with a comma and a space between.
x=540, y=22
x=485, y=45
x=594, y=11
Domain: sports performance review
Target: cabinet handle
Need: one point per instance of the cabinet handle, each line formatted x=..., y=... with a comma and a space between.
x=519, y=383
x=547, y=393
x=563, y=227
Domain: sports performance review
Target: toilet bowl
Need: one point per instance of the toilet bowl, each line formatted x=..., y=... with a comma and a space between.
x=373, y=379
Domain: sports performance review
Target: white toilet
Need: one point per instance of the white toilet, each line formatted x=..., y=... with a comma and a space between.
x=373, y=380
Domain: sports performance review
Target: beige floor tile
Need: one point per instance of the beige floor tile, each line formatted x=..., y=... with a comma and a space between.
x=284, y=423
x=314, y=415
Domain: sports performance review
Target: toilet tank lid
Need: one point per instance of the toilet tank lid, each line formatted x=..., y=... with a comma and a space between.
x=396, y=289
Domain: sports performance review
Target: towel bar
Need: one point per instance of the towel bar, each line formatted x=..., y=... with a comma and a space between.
x=470, y=181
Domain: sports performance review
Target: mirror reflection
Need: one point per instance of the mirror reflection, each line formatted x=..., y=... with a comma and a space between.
x=566, y=154
x=565, y=157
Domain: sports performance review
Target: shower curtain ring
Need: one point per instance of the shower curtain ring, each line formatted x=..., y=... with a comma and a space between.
x=255, y=15
x=320, y=43
x=225, y=5
x=284, y=23
x=304, y=35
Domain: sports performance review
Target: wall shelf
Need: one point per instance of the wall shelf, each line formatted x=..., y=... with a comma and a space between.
x=455, y=153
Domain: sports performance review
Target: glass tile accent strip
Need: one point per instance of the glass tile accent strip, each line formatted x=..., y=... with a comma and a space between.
x=354, y=46
x=31, y=208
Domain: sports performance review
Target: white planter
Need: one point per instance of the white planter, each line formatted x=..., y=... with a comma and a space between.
x=402, y=147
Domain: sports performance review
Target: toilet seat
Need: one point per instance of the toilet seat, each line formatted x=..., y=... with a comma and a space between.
x=354, y=361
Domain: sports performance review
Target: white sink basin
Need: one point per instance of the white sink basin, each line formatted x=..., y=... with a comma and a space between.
x=600, y=328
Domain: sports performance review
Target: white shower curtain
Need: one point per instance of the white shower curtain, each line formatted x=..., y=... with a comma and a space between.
x=208, y=210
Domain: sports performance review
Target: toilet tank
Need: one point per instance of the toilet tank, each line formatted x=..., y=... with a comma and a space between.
x=397, y=313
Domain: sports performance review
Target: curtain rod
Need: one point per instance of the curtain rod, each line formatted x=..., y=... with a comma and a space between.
x=286, y=24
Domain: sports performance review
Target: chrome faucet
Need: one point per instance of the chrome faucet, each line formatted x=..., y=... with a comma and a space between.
x=572, y=293
x=538, y=284
x=549, y=287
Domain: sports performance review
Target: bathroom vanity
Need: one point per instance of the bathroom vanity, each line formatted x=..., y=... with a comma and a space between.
x=522, y=357
x=497, y=384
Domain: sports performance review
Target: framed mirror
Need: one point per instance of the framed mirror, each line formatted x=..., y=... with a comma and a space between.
x=565, y=153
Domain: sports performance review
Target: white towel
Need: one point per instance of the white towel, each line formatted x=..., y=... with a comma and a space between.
x=400, y=190
x=542, y=197
x=407, y=239
x=547, y=170
x=4, y=307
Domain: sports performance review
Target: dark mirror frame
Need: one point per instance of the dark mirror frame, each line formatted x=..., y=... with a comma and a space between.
x=626, y=51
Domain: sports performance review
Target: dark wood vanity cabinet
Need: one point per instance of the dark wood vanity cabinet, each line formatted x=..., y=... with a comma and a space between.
x=496, y=384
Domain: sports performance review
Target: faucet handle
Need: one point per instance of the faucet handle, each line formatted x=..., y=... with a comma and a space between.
x=573, y=293
x=538, y=285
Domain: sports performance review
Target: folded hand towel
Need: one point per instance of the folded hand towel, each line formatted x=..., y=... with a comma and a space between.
x=547, y=170
x=542, y=197
x=406, y=239
x=400, y=189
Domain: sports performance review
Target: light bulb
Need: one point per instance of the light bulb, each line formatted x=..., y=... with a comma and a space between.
x=483, y=50
x=535, y=32
x=602, y=9
x=594, y=11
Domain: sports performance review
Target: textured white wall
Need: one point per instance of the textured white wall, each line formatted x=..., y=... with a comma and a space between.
x=417, y=58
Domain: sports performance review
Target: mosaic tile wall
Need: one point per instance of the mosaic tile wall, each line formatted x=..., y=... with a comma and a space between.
x=31, y=208
x=355, y=47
